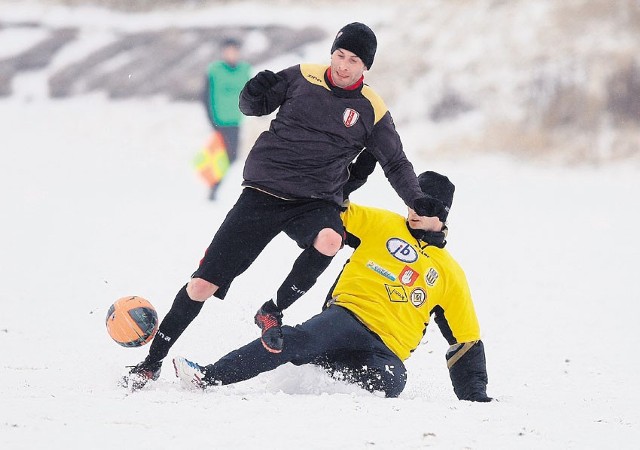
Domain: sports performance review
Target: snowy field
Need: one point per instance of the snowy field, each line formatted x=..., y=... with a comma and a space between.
x=99, y=200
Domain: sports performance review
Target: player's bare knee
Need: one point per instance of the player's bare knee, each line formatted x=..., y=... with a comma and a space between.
x=199, y=290
x=328, y=242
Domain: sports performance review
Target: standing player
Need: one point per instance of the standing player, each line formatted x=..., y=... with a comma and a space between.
x=224, y=82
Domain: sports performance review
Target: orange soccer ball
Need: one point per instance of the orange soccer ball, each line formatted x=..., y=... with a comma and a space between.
x=132, y=321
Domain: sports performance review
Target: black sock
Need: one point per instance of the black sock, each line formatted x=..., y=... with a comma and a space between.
x=181, y=314
x=306, y=270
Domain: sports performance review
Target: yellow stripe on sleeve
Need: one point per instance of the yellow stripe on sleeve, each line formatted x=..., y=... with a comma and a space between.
x=379, y=108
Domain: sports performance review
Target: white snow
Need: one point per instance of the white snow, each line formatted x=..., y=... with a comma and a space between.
x=99, y=200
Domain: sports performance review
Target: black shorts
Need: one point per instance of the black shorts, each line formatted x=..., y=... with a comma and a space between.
x=252, y=223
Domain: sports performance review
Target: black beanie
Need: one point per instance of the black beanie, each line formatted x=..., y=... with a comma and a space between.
x=359, y=39
x=437, y=186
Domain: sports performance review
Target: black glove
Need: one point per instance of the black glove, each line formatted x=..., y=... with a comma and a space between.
x=431, y=207
x=468, y=372
x=359, y=171
x=363, y=166
x=262, y=82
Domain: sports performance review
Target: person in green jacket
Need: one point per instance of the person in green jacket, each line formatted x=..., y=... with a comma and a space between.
x=225, y=79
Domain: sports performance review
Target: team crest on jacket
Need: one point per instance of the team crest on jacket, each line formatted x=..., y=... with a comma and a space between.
x=408, y=276
x=431, y=277
x=418, y=297
x=350, y=117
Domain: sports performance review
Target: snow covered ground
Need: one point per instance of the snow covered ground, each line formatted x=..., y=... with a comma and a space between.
x=99, y=200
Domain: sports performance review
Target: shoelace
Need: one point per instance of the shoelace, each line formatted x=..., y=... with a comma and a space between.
x=267, y=321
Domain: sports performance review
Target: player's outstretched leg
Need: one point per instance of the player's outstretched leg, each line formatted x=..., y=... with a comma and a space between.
x=182, y=312
x=190, y=374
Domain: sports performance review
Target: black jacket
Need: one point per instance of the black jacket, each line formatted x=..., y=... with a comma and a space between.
x=318, y=130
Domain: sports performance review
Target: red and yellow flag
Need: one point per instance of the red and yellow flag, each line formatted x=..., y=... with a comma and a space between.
x=212, y=162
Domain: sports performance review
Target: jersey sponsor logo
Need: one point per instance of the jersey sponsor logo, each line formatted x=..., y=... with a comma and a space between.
x=431, y=277
x=396, y=293
x=314, y=78
x=402, y=250
x=380, y=270
x=350, y=117
x=418, y=297
x=408, y=276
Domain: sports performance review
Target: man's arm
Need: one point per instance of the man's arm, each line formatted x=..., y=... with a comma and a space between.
x=385, y=145
x=465, y=360
x=468, y=371
x=206, y=99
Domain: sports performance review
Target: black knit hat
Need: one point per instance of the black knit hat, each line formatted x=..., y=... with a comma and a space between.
x=231, y=42
x=437, y=186
x=359, y=39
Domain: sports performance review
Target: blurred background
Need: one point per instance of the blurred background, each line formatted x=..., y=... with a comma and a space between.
x=538, y=80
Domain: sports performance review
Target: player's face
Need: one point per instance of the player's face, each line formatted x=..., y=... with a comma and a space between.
x=231, y=54
x=346, y=68
x=423, y=222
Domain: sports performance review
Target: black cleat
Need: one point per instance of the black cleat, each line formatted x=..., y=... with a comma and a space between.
x=140, y=374
x=270, y=323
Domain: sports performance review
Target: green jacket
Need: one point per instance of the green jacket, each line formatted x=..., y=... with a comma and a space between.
x=223, y=86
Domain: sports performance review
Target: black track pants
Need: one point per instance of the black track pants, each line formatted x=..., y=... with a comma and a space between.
x=333, y=339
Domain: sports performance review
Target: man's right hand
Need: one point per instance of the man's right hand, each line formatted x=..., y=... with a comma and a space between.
x=429, y=206
x=262, y=82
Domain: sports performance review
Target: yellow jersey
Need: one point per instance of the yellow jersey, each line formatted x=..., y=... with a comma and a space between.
x=393, y=282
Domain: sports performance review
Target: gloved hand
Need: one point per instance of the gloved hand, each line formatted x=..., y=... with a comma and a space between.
x=431, y=207
x=359, y=171
x=469, y=371
x=363, y=166
x=262, y=82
